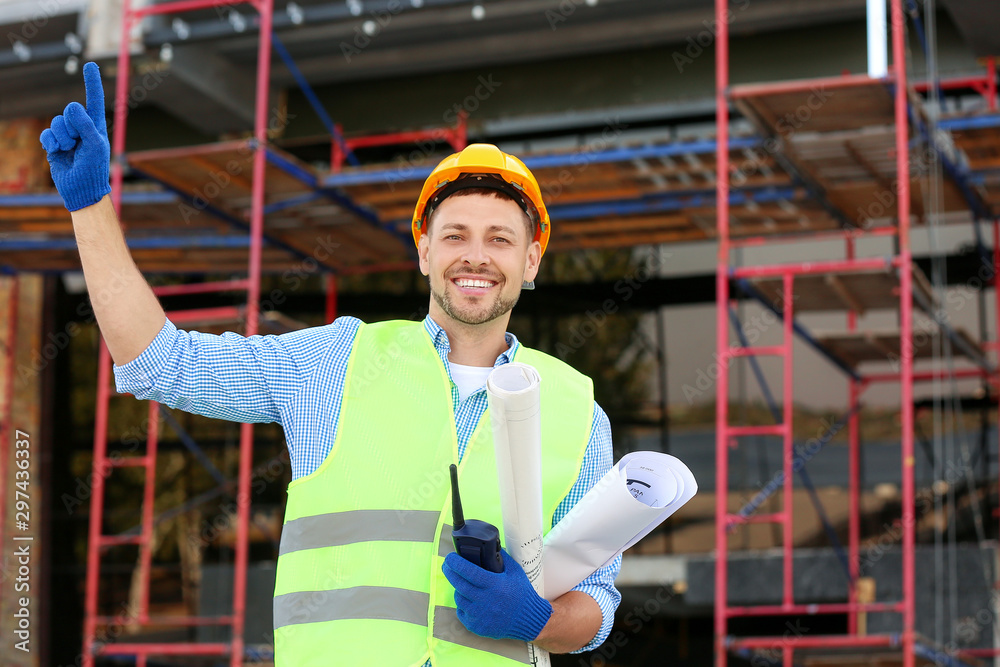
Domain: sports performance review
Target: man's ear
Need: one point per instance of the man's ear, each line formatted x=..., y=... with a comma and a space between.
x=423, y=247
x=534, y=259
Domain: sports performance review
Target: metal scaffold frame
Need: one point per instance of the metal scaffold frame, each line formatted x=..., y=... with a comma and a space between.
x=98, y=541
x=659, y=210
x=727, y=434
x=264, y=157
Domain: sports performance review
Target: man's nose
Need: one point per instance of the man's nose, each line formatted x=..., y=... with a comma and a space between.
x=476, y=253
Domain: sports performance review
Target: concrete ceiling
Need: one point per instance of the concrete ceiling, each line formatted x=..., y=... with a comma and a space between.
x=444, y=34
x=214, y=51
x=979, y=23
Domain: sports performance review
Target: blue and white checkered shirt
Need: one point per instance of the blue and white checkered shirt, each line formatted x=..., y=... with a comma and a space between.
x=256, y=378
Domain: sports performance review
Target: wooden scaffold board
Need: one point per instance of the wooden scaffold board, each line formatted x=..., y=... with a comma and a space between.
x=858, y=347
x=858, y=291
x=842, y=139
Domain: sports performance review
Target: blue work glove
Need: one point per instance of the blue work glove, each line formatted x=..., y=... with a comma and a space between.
x=498, y=605
x=78, y=149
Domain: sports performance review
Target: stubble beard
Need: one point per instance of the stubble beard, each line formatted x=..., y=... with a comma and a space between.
x=499, y=307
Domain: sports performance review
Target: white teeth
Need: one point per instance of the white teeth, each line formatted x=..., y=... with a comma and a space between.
x=466, y=282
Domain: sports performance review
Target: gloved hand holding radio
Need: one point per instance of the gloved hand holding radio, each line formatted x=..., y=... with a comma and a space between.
x=499, y=605
x=77, y=147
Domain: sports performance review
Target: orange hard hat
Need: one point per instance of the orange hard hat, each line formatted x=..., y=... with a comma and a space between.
x=483, y=166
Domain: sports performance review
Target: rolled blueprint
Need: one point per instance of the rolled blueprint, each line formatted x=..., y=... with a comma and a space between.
x=513, y=391
x=514, y=400
x=640, y=492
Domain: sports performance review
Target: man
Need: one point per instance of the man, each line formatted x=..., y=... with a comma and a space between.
x=373, y=415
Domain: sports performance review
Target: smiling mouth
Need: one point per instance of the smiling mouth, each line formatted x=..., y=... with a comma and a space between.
x=474, y=284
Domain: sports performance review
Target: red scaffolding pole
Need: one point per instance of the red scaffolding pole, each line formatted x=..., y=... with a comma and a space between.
x=102, y=465
x=721, y=329
x=853, y=476
x=454, y=136
x=898, y=22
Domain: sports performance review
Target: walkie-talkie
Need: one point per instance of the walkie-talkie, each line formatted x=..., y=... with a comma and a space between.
x=476, y=541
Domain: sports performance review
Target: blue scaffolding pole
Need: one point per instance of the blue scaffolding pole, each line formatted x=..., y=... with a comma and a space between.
x=135, y=243
x=673, y=201
x=313, y=99
x=337, y=197
x=398, y=174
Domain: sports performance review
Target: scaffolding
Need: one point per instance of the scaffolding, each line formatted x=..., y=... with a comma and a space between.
x=855, y=145
x=98, y=541
x=207, y=185
x=731, y=188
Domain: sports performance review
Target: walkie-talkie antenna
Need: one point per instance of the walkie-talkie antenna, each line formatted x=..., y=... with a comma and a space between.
x=457, y=517
x=476, y=541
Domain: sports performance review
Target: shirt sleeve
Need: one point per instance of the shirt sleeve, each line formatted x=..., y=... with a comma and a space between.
x=228, y=376
x=597, y=460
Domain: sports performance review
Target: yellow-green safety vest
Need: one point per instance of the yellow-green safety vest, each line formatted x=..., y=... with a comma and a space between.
x=359, y=578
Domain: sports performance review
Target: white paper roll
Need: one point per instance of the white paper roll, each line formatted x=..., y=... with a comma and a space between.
x=513, y=391
x=641, y=491
x=514, y=400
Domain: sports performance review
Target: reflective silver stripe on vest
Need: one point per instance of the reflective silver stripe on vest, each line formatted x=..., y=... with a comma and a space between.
x=339, y=528
x=448, y=628
x=445, y=544
x=360, y=602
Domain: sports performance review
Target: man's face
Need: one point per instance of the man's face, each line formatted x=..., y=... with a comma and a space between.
x=476, y=254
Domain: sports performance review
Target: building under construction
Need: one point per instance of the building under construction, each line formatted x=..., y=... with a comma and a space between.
x=814, y=186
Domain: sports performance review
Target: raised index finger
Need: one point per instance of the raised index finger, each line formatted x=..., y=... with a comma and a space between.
x=95, y=97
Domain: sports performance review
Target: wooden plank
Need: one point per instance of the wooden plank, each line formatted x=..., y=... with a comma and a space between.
x=825, y=110
x=218, y=172
x=862, y=290
x=916, y=203
x=863, y=346
x=849, y=300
